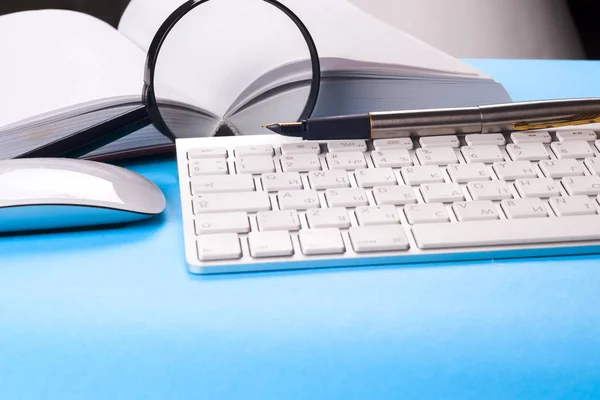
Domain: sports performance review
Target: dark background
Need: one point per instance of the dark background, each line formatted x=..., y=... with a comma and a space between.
x=585, y=13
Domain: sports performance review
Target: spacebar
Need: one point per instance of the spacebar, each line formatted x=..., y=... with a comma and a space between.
x=507, y=232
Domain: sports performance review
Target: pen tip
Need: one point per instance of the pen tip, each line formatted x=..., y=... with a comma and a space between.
x=295, y=129
x=273, y=127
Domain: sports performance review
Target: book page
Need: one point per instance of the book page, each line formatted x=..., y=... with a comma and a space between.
x=57, y=59
x=218, y=49
x=340, y=29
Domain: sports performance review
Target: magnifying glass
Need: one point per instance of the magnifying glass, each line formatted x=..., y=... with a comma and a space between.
x=215, y=65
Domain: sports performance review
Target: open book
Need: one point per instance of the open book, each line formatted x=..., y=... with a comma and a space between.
x=63, y=71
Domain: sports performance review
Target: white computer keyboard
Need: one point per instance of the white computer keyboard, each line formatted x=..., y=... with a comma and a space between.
x=268, y=202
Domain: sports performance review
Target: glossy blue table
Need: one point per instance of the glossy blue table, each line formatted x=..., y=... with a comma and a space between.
x=113, y=314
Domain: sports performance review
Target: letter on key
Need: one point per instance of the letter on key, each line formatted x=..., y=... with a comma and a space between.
x=350, y=197
x=336, y=217
x=572, y=205
x=426, y=213
x=541, y=187
x=442, y=192
x=524, y=208
x=281, y=181
x=378, y=215
x=475, y=210
x=328, y=179
x=394, y=195
x=298, y=199
x=370, y=177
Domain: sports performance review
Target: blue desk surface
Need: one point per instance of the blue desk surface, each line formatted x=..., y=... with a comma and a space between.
x=113, y=314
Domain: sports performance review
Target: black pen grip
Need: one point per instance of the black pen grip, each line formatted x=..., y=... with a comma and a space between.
x=337, y=128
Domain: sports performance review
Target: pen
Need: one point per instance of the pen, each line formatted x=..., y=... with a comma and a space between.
x=495, y=118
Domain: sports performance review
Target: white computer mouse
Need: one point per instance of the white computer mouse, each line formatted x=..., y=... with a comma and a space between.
x=54, y=193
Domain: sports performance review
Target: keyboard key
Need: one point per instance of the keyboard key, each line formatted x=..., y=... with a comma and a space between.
x=254, y=150
x=475, y=210
x=222, y=246
x=375, y=177
x=524, y=208
x=572, y=149
x=270, y=244
x=298, y=199
x=336, y=217
x=426, y=213
x=346, y=161
x=593, y=165
x=328, y=180
x=377, y=215
x=541, y=187
x=561, y=168
x=347, y=145
x=441, y=192
x=583, y=134
x=278, y=220
x=399, y=143
x=527, y=152
x=222, y=183
x=437, y=156
x=439, y=141
x=321, y=241
x=231, y=202
x=490, y=190
x=391, y=158
x=381, y=238
x=207, y=152
x=208, y=166
x=350, y=197
x=300, y=163
x=394, y=195
x=509, y=171
x=531, y=137
x=462, y=173
x=488, y=153
x=422, y=174
x=582, y=185
x=281, y=181
x=300, y=148
x=222, y=223
x=254, y=165
x=572, y=205
x=486, y=138
x=507, y=232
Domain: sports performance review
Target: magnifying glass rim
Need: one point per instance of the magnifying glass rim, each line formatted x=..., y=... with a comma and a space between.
x=149, y=95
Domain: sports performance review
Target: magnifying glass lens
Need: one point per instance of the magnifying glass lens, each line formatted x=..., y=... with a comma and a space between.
x=232, y=66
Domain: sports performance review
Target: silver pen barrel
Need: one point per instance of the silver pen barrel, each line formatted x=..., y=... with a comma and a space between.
x=496, y=118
